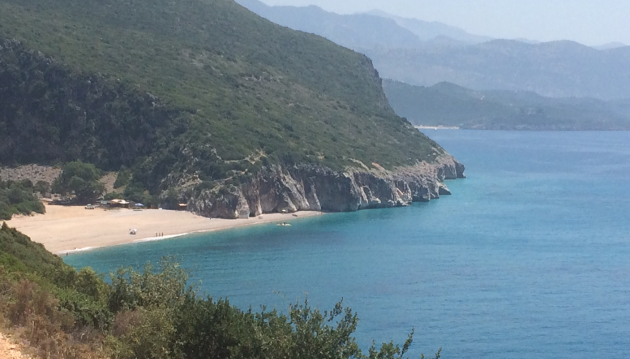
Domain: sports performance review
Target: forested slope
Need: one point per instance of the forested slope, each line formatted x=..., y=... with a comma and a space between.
x=246, y=83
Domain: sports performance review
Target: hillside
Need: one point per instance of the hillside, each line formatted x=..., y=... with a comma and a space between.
x=451, y=105
x=196, y=95
x=552, y=69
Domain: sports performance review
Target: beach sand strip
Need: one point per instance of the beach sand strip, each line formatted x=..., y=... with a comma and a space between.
x=65, y=229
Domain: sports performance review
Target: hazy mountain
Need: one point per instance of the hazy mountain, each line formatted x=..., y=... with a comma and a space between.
x=610, y=45
x=428, y=30
x=554, y=69
x=527, y=41
x=361, y=31
x=450, y=105
x=352, y=31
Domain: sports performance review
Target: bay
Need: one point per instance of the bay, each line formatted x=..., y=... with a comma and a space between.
x=529, y=257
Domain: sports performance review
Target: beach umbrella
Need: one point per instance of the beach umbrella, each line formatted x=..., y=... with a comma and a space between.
x=139, y=205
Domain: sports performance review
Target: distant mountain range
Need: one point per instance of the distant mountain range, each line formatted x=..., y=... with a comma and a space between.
x=451, y=105
x=610, y=45
x=429, y=30
x=352, y=31
x=374, y=29
x=553, y=69
x=426, y=53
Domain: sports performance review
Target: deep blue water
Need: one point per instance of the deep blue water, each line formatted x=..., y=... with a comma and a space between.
x=529, y=258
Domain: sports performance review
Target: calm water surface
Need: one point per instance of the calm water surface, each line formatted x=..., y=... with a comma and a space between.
x=529, y=258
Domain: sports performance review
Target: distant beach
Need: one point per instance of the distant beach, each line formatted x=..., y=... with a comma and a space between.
x=440, y=127
x=65, y=229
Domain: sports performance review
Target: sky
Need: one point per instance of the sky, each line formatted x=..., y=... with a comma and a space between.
x=590, y=22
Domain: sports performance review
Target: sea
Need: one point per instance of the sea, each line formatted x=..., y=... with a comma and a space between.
x=529, y=258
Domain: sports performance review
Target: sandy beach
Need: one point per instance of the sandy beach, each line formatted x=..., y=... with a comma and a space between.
x=67, y=229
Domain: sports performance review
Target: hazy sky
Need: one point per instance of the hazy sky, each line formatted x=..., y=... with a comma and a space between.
x=591, y=22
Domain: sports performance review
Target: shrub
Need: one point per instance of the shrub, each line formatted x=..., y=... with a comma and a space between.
x=42, y=187
x=15, y=198
x=5, y=211
x=80, y=178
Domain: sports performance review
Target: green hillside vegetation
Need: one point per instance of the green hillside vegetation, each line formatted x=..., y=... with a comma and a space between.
x=153, y=313
x=19, y=198
x=451, y=105
x=202, y=88
x=80, y=179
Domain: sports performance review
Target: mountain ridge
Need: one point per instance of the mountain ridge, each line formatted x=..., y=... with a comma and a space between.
x=361, y=30
x=428, y=30
x=352, y=31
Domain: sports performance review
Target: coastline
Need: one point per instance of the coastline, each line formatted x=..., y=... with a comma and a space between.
x=64, y=230
x=439, y=127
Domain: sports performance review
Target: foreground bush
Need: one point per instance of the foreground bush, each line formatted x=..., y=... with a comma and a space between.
x=63, y=313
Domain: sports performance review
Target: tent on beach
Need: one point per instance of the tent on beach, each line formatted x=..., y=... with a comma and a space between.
x=119, y=203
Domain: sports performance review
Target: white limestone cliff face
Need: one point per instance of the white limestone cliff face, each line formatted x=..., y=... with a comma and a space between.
x=314, y=188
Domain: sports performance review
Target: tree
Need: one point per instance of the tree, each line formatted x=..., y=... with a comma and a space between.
x=5, y=211
x=80, y=179
x=171, y=200
x=42, y=187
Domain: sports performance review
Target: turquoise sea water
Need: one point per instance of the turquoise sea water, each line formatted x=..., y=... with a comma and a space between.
x=529, y=258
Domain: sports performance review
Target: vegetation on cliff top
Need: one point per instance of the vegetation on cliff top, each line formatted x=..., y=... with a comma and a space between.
x=191, y=86
x=155, y=314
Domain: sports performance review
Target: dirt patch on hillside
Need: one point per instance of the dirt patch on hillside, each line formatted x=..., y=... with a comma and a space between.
x=8, y=350
x=108, y=180
x=34, y=173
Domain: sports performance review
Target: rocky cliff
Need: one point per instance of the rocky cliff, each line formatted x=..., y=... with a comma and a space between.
x=315, y=188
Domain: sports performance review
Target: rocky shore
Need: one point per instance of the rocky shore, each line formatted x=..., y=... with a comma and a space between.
x=314, y=188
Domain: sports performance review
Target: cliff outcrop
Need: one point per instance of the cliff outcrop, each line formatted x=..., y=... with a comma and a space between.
x=315, y=188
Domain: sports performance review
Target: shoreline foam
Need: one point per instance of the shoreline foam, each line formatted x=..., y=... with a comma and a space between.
x=77, y=250
x=153, y=239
